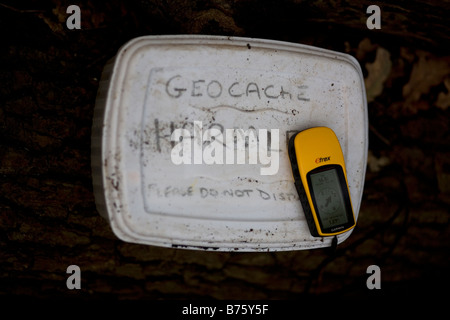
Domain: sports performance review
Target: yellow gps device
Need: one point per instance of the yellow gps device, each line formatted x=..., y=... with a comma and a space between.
x=321, y=181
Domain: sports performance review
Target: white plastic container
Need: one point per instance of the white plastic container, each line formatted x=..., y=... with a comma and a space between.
x=158, y=84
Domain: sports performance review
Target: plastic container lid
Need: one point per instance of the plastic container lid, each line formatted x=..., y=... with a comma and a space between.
x=212, y=92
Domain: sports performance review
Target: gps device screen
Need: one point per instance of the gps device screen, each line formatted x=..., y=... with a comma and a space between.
x=328, y=197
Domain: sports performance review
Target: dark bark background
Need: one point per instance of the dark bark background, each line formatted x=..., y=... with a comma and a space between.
x=49, y=78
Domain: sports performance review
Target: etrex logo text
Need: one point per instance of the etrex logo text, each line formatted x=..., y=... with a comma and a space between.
x=319, y=160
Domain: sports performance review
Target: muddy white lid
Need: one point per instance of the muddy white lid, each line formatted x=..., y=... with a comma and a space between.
x=189, y=145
